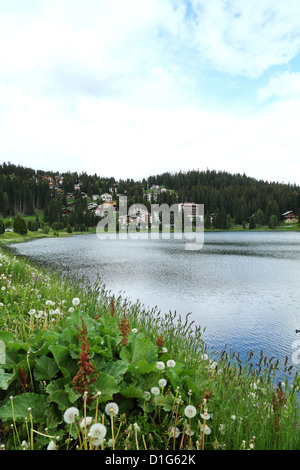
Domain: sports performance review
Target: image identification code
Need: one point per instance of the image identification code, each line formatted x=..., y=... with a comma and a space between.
x=152, y=459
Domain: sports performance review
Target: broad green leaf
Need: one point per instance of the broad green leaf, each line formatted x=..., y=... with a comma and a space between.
x=5, y=379
x=40, y=342
x=132, y=392
x=61, y=398
x=21, y=403
x=142, y=367
x=45, y=368
x=6, y=336
x=62, y=357
x=139, y=349
x=116, y=369
x=107, y=385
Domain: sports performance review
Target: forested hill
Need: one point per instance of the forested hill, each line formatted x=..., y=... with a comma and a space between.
x=24, y=190
x=239, y=195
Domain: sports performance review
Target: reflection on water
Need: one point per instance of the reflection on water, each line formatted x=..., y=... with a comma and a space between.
x=242, y=287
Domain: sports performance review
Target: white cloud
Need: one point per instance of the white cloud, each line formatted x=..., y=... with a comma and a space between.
x=285, y=85
x=113, y=87
x=246, y=37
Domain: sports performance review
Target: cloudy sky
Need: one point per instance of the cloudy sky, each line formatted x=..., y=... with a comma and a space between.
x=132, y=88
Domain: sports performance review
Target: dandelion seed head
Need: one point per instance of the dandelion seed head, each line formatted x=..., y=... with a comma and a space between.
x=171, y=363
x=112, y=409
x=160, y=365
x=205, y=415
x=97, y=433
x=190, y=411
x=70, y=414
x=87, y=421
x=155, y=391
x=51, y=446
x=162, y=383
x=174, y=431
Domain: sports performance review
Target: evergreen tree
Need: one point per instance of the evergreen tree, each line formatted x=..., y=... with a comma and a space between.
x=228, y=221
x=19, y=225
x=2, y=227
x=207, y=221
x=273, y=221
x=252, y=224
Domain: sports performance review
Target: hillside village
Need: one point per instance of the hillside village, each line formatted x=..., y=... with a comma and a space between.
x=97, y=204
x=80, y=200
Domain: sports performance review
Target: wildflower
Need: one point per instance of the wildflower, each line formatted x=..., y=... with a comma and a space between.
x=190, y=411
x=155, y=390
x=87, y=421
x=160, y=341
x=174, y=432
x=134, y=330
x=164, y=350
x=146, y=395
x=204, y=357
x=171, y=363
x=71, y=309
x=162, y=383
x=188, y=430
x=206, y=429
x=205, y=415
x=233, y=417
x=222, y=428
x=112, y=409
x=213, y=365
x=49, y=302
x=160, y=365
x=70, y=415
x=24, y=445
x=124, y=328
x=75, y=301
x=51, y=446
x=97, y=433
x=31, y=311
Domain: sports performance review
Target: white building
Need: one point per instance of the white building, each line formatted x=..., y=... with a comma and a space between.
x=106, y=197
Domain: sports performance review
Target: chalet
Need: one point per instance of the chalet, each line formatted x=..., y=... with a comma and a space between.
x=288, y=216
x=106, y=197
x=66, y=211
x=92, y=206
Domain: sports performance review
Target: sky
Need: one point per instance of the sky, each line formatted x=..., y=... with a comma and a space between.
x=134, y=88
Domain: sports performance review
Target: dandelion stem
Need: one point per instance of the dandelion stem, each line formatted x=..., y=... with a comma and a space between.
x=112, y=431
x=14, y=422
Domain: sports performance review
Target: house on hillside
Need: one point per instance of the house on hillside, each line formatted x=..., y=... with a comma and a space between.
x=106, y=197
x=66, y=212
x=288, y=216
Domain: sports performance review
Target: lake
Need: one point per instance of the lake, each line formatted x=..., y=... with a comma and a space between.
x=243, y=288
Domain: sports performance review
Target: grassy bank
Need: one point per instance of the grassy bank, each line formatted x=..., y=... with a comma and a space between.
x=82, y=369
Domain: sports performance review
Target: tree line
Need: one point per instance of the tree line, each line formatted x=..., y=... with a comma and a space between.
x=227, y=198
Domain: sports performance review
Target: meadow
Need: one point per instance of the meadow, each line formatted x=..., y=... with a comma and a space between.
x=82, y=369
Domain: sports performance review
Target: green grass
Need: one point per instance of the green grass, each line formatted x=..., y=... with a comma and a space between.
x=63, y=353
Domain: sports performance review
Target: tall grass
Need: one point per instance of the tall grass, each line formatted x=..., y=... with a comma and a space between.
x=152, y=366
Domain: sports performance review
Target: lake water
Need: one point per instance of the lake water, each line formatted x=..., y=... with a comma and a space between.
x=242, y=287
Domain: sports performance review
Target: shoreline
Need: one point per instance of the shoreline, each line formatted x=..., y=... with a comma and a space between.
x=6, y=238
